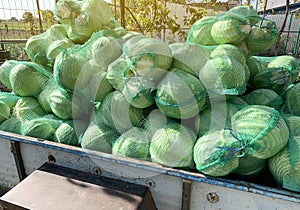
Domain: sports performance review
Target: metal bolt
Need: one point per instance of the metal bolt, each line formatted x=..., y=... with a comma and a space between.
x=51, y=159
x=212, y=197
x=150, y=183
x=97, y=171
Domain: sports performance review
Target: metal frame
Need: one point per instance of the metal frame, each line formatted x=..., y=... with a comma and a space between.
x=171, y=188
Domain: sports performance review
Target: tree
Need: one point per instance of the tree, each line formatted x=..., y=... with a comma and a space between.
x=28, y=18
x=152, y=17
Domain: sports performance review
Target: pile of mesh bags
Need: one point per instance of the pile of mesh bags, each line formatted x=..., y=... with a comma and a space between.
x=210, y=104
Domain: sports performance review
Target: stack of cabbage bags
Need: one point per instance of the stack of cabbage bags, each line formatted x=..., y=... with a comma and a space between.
x=210, y=104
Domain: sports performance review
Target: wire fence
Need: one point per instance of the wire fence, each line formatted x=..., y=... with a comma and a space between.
x=289, y=40
x=21, y=19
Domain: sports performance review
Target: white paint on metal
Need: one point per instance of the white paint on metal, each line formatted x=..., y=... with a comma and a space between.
x=8, y=171
x=165, y=183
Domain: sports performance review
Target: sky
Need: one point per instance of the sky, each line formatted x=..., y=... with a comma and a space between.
x=16, y=8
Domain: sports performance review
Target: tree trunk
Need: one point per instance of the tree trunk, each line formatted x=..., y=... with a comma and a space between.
x=283, y=26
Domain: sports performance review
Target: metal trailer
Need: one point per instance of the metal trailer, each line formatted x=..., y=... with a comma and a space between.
x=171, y=189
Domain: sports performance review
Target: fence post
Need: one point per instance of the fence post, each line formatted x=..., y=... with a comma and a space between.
x=288, y=32
x=40, y=18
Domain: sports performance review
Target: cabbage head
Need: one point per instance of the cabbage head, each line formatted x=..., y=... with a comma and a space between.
x=5, y=70
x=250, y=166
x=43, y=128
x=66, y=106
x=12, y=125
x=245, y=12
x=217, y=152
x=229, y=50
x=262, y=129
x=66, y=133
x=285, y=167
x=28, y=108
x=293, y=122
x=180, y=95
x=117, y=113
x=200, y=32
x=265, y=97
x=292, y=100
x=262, y=36
x=230, y=30
x=139, y=92
x=173, y=145
x=9, y=98
x=190, y=58
x=99, y=138
x=216, y=116
x=27, y=79
x=4, y=111
x=133, y=143
x=224, y=75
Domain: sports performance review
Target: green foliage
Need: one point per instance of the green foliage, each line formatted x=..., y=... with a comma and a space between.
x=153, y=17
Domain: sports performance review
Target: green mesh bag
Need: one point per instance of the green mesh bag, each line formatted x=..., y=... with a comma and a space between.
x=66, y=10
x=200, y=32
x=139, y=92
x=115, y=72
x=9, y=98
x=230, y=30
x=217, y=152
x=105, y=50
x=277, y=79
x=98, y=87
x=84, y=18
x=250, y=167
x=66, y=106
x=133, y=143
x=117, y=113
x=28, y=108
x=180, y=95
x=4, y=111
x=173, y=145
x=265, y=97
x=292, y=100
x=44, y=96
x=189, y=58
x=66, y=134
x=217, y=116
x=43, y=48
x=146, y=55
x=12, y=125
x=5, y=70
x=99, y=138
x=261, y=129
x=262, y=36
x=43, y=128
x=293, y=123
x=224, y=75
x=255, y=66
x=35, y=48
x=155, y=120
x=28, y=79
x=244, y=12
x=72, y=68
x=285, y=166
x=230, y=51
x=286, y=62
